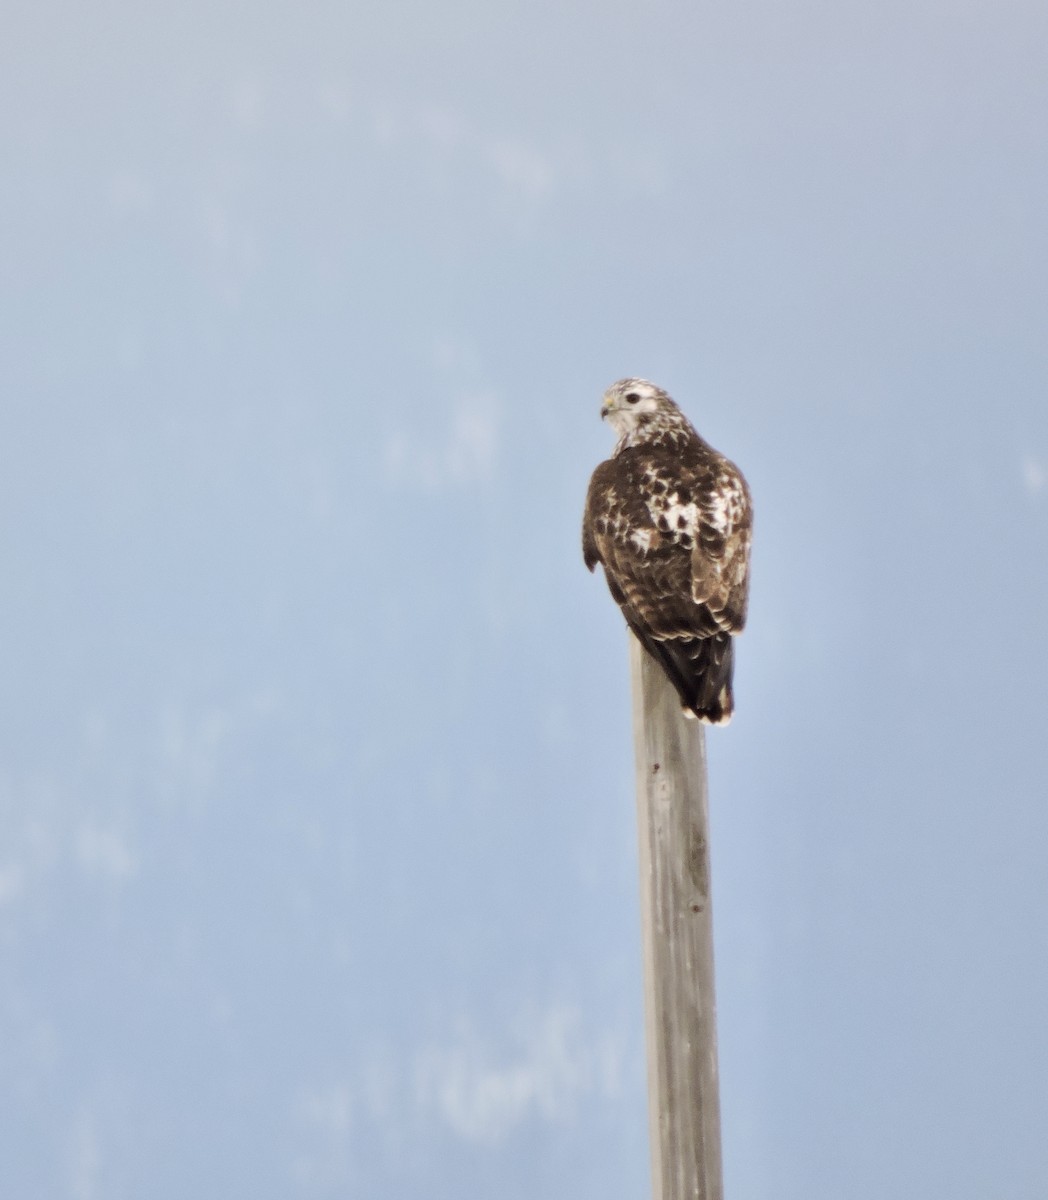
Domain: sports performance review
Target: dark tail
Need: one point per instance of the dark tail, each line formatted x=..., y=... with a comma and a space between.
x=701, y=670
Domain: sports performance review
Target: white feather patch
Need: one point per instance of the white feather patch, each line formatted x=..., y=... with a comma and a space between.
x=725, y=506
x=683, y=517
x=718, y=511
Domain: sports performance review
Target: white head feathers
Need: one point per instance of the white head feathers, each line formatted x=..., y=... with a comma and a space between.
x=639, y=411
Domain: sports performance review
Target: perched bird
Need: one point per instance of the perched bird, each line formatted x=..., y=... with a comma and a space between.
x=671, y=520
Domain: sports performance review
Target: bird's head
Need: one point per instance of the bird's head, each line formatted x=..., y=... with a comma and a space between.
x=632, y=406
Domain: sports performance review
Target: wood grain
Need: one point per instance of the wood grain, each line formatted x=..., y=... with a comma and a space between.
x=677, y=925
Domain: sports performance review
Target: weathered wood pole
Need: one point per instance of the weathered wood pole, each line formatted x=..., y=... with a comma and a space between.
x=677, y=931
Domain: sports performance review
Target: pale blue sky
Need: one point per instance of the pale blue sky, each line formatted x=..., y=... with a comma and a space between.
x=317, y=847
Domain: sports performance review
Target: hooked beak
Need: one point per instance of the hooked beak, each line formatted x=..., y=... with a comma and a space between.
x=605, y=408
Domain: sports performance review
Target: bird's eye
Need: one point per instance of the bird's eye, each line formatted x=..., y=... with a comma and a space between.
x=632, y=397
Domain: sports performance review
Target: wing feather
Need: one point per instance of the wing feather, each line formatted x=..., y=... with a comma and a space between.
x=673, y=533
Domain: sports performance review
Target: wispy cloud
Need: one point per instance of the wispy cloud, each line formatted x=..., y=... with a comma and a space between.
x=12, y=883
x=446, y=139
x=191, y=745
x=482, y=1093
x=522, y=169
x=454, y=357
x=326, y=1115
x=33, y=837
x=464, y=454
x=526, y=174
x=1035, y=475
x=478, y=1088
x=445, y=130
x=106, y=853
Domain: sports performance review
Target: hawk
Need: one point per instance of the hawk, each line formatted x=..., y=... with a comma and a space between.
x=671, y=520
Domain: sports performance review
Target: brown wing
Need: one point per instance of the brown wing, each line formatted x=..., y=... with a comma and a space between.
x=673, y=534
x=720, y=557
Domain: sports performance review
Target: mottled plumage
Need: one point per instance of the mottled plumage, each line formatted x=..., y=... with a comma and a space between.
x=670, y=520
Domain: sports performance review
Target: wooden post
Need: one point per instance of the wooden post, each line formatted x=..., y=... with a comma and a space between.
x=677, y=930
